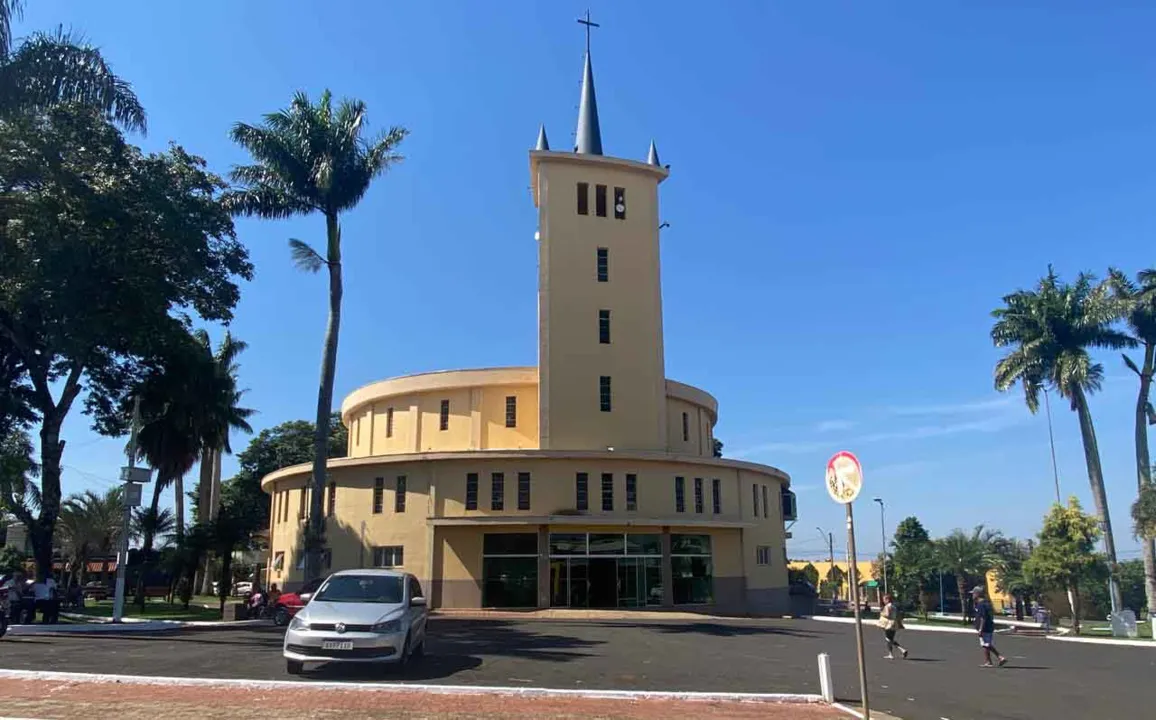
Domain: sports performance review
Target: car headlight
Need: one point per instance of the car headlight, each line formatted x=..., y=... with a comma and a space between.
x=387, y=627
x=298, y=624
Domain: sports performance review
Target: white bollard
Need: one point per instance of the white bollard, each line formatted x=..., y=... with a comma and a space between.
x=826, y=687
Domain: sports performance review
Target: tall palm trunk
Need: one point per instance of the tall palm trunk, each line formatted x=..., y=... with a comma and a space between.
x=961, y=585
x=314, y=539
x=179, y=503
x=1096, y=480
x=147, y=542
x=1144, y=468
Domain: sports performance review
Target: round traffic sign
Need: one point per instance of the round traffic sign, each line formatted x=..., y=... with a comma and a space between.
x=844, y=477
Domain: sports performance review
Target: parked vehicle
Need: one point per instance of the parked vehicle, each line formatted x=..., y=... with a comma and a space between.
x=96, y=590
x=359, y=616
x=290, y=603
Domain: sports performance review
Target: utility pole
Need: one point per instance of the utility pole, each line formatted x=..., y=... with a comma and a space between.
x=130, y=497
x=830, y=538
x=883, y=535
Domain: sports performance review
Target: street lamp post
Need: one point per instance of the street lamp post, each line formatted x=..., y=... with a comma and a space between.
x=830, y=539
x=883, y=535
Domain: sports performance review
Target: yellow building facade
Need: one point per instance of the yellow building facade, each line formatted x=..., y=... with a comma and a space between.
x=587, y=481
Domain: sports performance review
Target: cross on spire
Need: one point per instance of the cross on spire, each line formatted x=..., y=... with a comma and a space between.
x=588, y=25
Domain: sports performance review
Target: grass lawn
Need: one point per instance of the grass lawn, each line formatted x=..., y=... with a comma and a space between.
x=1102, y=628
x=155, y=609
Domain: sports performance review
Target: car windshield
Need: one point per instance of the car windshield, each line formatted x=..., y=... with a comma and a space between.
x=362, y=589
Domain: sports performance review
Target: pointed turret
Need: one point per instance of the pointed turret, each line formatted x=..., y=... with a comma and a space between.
x=543, y=143
x=588, y=140
x=652, y=156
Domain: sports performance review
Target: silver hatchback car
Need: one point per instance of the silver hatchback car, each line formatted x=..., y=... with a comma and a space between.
x=360, y=616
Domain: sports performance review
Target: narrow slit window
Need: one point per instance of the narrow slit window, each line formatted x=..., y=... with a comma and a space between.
x=523, y=491
x=685, y=427
x=604, y=392
x=582, y=492
x=332, y=500
x=511, y=411
x=607, y=492
x=679, y=494
x=631, y=492
x=620, y=203
x=583, y=198
x=603, y=265
x=471, y=491
x=389, y=422
x=444, y=419
x=498, y=491
x=716, y=496
x=301, y=505
x=698, y=495
x=399, y=495
x=755, y=498
x=600, y=200
x=378, y=495
x=766, y=505
x=604, y=327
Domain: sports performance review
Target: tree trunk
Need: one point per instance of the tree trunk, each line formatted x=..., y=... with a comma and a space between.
x=147, y=544
x=1144, y=468
x=314, y=538
x=961, y=585
x=205, y=486
x=225, y=584
x=51, y=450
x=1096, y=480
x=179, y=504
x=1077, y=608
x=215, y=486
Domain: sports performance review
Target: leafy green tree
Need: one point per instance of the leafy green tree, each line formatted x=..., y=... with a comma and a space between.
x=227, y=533
x=1139, y=301
x=1066, y=557
x=913, y=564
x=100, y=244
x=968, y=556
x=314, y=158
x=1051, y=330
x=718, y=447
x=836, y=577
x=90, y=524
x=11, y=560
x=811, y=575
x=1009, y=559
x=51, y=69
x=224, y=415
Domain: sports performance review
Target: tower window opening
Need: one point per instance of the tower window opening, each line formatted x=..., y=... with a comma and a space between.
x=604, y=327
x=600, y=200
x=603, y=265
x=620, y=203
x=583, y=198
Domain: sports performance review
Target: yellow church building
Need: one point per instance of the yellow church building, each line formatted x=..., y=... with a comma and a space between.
x=588, y=481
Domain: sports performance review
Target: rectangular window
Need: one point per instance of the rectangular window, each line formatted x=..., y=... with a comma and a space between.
x=691, y=569
x=523, y=491
x=766, y=507
x=698, y=495
x=763, y=555
x=582, y=492
x=604, y=392
x=498, y=491
x=389, y=422
x=607, y=492
x=301, y=505
x=444, y=420
x=511, y=411
x=332, y=500
x=471, y=491
x=378, y=495
x=279, y=561
x=620, y=203
x=357, y=432
x=388, y=556
x=603, y=265
x=685, y=427
x=631, y=492
x=716, y=496
x=755, y=499
x=583, y=199
x=679, y=495
x=604, y=327
x=600, y=200
x=399, y=495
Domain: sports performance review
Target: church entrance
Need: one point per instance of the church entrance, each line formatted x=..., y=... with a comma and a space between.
x=604, y=570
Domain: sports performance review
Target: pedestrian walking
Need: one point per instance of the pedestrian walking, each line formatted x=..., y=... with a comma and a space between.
x=891, y=621
x=985, y=626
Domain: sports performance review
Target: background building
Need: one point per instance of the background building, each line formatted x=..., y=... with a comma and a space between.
x=587, y=481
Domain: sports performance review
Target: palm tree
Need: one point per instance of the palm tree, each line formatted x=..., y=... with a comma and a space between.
x=1050, y=330
x=1010, y=554
x=313, y=158
x=1139, y=301
x=90, y=524
x=227, y=533
x=968, y=556
x=48, y=69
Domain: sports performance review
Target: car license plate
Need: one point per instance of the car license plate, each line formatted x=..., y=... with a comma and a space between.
x=337, y=645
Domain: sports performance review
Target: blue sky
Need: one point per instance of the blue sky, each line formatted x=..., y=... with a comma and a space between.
x=853, y=189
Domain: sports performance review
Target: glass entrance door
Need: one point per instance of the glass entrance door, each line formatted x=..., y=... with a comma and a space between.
x=603, y=583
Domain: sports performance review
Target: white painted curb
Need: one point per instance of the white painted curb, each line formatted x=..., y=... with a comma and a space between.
x=1104, y=641
x=130, y=626
x=45, y=675
x=913, y=626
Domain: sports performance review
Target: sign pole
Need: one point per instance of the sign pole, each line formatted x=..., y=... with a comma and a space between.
x=122, y=551
x=858, y=616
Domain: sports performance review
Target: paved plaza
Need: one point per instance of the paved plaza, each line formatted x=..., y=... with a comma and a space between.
x=1046, y=679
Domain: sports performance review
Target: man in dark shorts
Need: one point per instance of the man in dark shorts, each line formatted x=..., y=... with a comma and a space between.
x=985, y=626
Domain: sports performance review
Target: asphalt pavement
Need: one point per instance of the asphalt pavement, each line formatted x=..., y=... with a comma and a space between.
x=942, y=678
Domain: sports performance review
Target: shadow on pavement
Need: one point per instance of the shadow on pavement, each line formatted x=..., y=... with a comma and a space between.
x=431, y=667
x=496, y=637
x=705, y=628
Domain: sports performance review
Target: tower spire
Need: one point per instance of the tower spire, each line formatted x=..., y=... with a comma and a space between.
x=543, y=143
x=588, y=139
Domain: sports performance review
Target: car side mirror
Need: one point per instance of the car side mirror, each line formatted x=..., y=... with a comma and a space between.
x=417, y=602
x=306, y=597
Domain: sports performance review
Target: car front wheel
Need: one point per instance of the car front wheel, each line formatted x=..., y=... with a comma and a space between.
x=281, y=616
x=294, y=667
